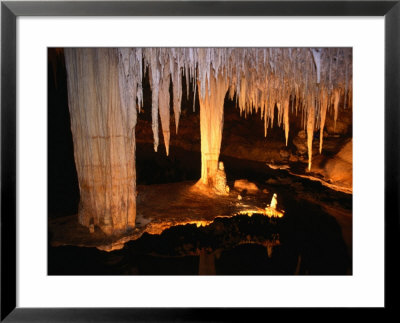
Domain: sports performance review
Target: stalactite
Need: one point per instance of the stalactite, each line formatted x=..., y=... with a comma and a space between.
x=177, y=93
x=163, y=105
x=278, y=107
x=258, y=78
x=155, y=88
x=336, y=98
x=286, y=118
x=317, y=61
x=324, y=107
x=271, y=107
x=265, y=120
x=310, y=132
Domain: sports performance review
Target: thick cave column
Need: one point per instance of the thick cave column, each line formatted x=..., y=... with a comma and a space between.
x=104, y=139
x=211, y=124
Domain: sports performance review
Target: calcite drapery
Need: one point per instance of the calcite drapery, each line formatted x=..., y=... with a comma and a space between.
x=103, y=129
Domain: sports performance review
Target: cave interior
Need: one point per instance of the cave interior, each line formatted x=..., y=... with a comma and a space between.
x=200, y=161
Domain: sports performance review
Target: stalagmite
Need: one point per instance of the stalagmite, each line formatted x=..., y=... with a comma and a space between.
x=310, y=132
x=220, y=181
x=274, y=201
x=102, y=124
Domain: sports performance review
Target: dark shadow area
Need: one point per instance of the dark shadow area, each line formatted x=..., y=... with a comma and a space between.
x=301, y=243
x=63, y=189
x=157, y=168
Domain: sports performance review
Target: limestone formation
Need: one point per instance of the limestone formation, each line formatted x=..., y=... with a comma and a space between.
x=211, y=123
x=220, y=180
x=105, y=92
x=103, y=124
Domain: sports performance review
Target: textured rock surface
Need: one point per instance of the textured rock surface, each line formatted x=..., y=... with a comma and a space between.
x=104, y=141
x=337, y=169
x=300, y=142
x=220, y=185
x=340, y=167
x=244, y=185
x=343, y=124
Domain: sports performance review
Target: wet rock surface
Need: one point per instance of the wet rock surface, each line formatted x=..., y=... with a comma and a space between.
x=315, y=235
x=241, y=245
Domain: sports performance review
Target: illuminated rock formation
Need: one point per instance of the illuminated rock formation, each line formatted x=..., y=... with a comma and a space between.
x=211, y=123
x=310, y=132
x=271, y=210
x=274, y=201
x=260, y=79
x=105, y=91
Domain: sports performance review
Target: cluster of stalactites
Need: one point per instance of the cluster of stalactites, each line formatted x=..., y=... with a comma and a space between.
x=309, y=80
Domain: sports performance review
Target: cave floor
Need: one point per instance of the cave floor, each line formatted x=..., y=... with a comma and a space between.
x=160, y=206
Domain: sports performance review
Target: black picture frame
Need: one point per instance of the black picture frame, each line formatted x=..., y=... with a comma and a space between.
x=10, y=10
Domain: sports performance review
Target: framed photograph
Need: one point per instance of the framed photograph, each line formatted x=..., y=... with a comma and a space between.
x=197, y=161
